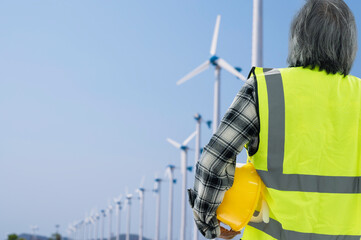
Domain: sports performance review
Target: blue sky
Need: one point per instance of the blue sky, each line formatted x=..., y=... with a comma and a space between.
x=88, y=97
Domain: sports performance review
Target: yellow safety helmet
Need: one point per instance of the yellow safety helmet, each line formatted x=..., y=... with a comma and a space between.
x=240, y=201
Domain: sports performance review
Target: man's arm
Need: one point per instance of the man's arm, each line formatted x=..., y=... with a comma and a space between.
x=215, y=169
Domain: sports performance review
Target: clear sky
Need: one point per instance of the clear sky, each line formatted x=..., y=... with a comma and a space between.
x=88, y=97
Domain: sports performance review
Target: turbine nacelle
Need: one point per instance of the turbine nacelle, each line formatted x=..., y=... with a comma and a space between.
x=213, y=60
x=141, y=189
x=197, y=117
x=184, y=148
x=117, y=200
x=171, y=166
x=103, y=212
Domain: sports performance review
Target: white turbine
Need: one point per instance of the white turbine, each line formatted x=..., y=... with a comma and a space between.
x=110, y=211
x=92, y=226
x=141, y=191
x=156, y=190
x=71, y=232
x=257, y=38
x=170, y=174
x=86, y=226
x=199, y=120
x=97, y=219
x=118, y=203
x=102, y=224
x=74, y=227
x=129, y=202
x=79, y=226
x=184, y=149
x=218, y=63
x=34, y=229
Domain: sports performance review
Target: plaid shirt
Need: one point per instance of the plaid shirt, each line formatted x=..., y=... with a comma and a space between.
x=215, y=169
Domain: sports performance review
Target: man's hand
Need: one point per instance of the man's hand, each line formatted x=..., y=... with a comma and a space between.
x=227, y=234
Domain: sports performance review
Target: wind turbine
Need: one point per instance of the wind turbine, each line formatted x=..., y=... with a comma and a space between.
x=117, y=212
x=97, y=218
x=129, y=202
x=79, y=228
x=71, y=232
x=257, y=38
x=199, y=120
x=170, y=174
x=102, y=224
x=110, y=211
x=92, y=223
x=86, y=226
x=218, y=63
x=184, y=149
x=141, y=191
x=156, y=190
x=34, y=228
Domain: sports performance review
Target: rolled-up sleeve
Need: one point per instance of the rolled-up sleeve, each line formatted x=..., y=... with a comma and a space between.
x=215, y=170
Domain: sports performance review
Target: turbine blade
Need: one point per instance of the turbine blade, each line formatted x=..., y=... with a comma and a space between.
x=167, y=172
x=204, y=66
x=189, y=138
x=174, y=143
x=229, y=68
x=142, y=182
x=215, y=36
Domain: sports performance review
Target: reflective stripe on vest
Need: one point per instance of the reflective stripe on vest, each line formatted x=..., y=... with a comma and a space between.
x=275, y=230
x=306, y=201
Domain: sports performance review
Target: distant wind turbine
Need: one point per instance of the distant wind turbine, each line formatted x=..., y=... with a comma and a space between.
x=118, y=203
x=218, y=63
x=199, y=120
x=257, y=38
x=102, y=224
x=34, y=229
x=141, y=191
x=184, y=149
x=129, y=202
x=156, y=191
x=110, y=211
x=97, y=218
x=92, y=226
x=170, y=174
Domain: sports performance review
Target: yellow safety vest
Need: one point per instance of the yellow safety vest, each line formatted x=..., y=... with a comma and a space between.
x=309, y=154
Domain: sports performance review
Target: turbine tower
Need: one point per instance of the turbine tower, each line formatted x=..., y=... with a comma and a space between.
x=257, y=34
x=92, y=223
x=156, y=190
x=85, y=227
x=129, y=202
x=97, y=218
x=71, y=232
x=199, y=120
x=141, y=191
x=170, y=174
x=218, y=63
x=34, y=228
x=117, y=213
x=184, y=149
x=110, y=211
x=102, y=224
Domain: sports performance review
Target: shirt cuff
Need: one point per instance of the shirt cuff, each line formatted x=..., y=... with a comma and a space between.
x=209, y=230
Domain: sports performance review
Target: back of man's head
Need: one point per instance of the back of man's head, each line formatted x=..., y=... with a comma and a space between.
x=323, y=33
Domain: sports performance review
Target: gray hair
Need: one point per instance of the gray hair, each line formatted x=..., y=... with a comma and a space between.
x=323, y=34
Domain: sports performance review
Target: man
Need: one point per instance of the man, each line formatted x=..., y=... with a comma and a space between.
x=302, y=125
